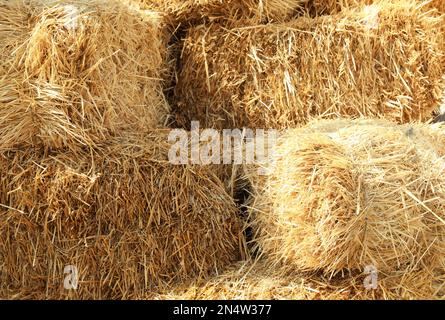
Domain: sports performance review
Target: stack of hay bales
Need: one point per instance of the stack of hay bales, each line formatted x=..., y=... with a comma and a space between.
x=343, y=195
x=379, y=61
x=85, y=177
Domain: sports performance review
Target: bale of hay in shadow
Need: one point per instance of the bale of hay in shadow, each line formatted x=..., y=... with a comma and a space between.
x=249, y=280
x=383, y=62
x=342, y=195
x=127, y=218
x=74, y=73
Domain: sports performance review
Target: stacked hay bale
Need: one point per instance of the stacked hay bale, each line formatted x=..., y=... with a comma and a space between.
x=360, y=62
x=343, y=195
x=76, y=73
x=85, y=179
x=123, y=215
x=365, y=203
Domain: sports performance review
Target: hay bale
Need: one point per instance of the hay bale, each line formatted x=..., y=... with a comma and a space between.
x=74, y=73
x=281, y=75
x=256, y=281
x=189, y=12
x=123, y=215
x=342, y=195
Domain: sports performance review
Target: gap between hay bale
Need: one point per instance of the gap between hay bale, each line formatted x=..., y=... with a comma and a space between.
x=342, y=195
x=123, y=215
x=75, y=73
x=281, y=75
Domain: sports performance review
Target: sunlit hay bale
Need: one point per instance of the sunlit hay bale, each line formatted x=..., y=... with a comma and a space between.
x=343, y=195
x=74, y=73
x=123, y=215
x=256, y=281
x=188, y=12
x=384, y=64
